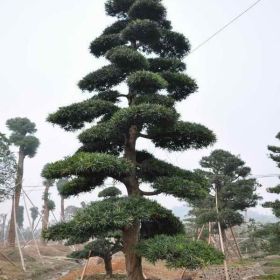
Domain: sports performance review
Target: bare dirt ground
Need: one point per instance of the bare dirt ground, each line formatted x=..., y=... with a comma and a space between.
x=158, y=271
x=55, y=266
x=52, y=265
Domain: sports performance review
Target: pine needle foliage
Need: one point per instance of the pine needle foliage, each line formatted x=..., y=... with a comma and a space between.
x=146, y=56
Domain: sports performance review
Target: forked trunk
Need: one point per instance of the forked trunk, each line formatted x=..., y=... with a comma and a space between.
x=108, y=266
x=16, y=198
x=132, y=260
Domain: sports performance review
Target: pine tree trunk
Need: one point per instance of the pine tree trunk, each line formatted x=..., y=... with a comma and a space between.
x=131, y=235
x=18, y=187
x=108, y=266
x=46, y=212
x=132, y=261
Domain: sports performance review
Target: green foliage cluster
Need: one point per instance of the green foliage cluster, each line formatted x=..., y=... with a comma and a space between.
x=162, y=64
x=88, y=164
x=146, y=82
x=105, y=43
x=179, y=252
x=127, y=59
x=110, y=192
x=198, y=136
x=75, y=116
x=7, y=169
x=103, y=247
x=113, y=214
x=146, y=9
x=102, y=79
x=22, y=135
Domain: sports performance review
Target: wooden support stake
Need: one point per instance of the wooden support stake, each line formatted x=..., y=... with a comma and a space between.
x=236, y=244
x=30, y=225
x=8, y=259
x=85, y=267
x=200, y=233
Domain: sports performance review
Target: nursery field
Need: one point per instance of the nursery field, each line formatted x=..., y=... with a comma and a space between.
x=56, y=266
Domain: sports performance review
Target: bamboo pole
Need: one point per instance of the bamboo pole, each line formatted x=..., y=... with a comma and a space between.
x=8, y=259
x=17, y=239
x=85, y=267
x=30, y=225
x=209, y=233
x=200, y=232
x=221, y=237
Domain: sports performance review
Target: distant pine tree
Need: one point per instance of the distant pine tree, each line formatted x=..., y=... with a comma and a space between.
x=275, y=156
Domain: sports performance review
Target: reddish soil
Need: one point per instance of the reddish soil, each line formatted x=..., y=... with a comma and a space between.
x=158, y=271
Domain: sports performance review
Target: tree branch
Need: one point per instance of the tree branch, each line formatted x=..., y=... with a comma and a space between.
x=150, y=193
x=123, y=95
x=144, y=136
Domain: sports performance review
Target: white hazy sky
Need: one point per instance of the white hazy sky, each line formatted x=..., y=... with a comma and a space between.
x=44, y=53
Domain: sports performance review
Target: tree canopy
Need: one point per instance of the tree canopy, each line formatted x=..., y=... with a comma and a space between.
x=22, y=135
x=228, y=176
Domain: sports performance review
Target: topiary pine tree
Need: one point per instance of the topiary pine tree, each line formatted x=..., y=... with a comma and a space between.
x=34, y=215
x=146, y=54
x=275, y=156
x=22, y=137
x=103, y=247
x=229, y=177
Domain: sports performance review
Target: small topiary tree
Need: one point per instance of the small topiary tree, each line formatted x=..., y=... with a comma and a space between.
x=275, y=156
x=145, y=53
x=22, y=137
x=110, y=192
x=103, y=247
x=34, y=215
x=230, y=187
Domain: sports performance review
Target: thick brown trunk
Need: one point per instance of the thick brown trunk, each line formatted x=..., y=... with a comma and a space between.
x=108, y=266
x=18, y=187
x=131, y=235
x=46, y=212
x=132, y=260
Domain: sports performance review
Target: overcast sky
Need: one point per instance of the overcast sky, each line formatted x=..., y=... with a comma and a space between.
x=44, y=53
